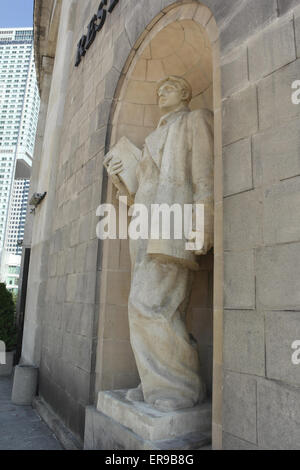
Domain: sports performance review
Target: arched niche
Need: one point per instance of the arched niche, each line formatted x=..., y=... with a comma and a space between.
x=182, y=42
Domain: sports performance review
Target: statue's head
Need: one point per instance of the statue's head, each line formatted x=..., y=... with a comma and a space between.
x=173, y=91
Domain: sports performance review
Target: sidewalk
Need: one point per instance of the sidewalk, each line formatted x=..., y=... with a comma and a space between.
x=21, y=428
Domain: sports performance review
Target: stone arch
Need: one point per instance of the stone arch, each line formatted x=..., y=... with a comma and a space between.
x=134, y=114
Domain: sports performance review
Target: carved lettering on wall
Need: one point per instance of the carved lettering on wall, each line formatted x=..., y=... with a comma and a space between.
x=94, y=26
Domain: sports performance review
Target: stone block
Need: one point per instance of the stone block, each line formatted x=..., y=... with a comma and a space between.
x=234, y=71
x=239, y=280
x=244, y=344
x=276, y=154
x=71, y=287
x=111, y=82
x=221, y=10
x=132, y=114
x=121, y=282
x=281, y=204
x=297, y=30
x=97, y=141
x=104, y=433
x=237, y=164
x=76, y=380
x=77, y=351
x=80, y=256
x=150, y=423
x=118, y=357
x=131, y=425
x=52, y=340
x=122, y=48
x=74, y=233
x=275, y=97
x=62, y=402
x=240, y=117
x=63, y=435
x=278, y=277
x=24, y=385
x=52, y=265
x=116, y=324
x=141, y=92
x=103, y=112
x=91, y=255
x=136, y=24
x=272, y=49
x=239, y=406
x=78, y=318
x=242, y=221
x=85, y=227
x=285, y=5
x=202, y=15
x=212, y=30
x=250, y=18
x=278, y=416
x=61, y=289
x=96, y=436
x=234, y=443
x=282, y=329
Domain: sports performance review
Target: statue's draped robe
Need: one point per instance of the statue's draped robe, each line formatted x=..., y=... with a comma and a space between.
x=176, y=167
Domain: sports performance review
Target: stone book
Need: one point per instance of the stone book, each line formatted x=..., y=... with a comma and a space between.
x=130, y=155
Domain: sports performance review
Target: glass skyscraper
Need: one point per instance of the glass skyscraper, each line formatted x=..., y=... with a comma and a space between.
x=19, y=109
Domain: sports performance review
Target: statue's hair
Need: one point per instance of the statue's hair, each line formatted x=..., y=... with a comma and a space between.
x=179, y=82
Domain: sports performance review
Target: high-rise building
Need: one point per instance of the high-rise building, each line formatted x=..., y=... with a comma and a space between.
x=17, y=216
x=19, y=108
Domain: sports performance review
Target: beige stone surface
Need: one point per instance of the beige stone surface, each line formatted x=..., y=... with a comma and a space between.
x=76, y=167
x=202, y=15
x=150, y=423
x=104, y=433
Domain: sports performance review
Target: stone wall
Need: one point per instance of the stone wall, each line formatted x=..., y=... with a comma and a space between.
x=261, y=235
x=259, y=48
x=67, y=285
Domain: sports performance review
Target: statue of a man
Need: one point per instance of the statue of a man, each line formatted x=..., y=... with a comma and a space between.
x=176, y=168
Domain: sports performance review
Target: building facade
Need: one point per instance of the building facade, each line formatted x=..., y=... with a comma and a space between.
x=10, y=271
x=17, y=216
x=19, y=108
x=241, y=59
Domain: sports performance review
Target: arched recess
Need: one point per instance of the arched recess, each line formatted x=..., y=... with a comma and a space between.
x=184, y=41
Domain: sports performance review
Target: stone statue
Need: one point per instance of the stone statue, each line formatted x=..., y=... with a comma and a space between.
x=176, y=167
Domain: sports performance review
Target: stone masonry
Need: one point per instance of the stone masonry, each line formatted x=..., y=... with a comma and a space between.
x=256, y=48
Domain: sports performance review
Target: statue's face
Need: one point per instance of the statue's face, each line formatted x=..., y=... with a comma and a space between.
x=170, y=97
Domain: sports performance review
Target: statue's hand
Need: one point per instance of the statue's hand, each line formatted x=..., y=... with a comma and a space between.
x=115, y=167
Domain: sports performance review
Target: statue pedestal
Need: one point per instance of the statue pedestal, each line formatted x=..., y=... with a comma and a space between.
x=119, y=424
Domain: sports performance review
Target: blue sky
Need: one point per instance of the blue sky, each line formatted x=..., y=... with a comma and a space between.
x=16, y=13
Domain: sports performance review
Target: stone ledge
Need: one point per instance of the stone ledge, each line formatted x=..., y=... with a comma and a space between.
x=104, y=433
x=150, y=423
x=64, y=436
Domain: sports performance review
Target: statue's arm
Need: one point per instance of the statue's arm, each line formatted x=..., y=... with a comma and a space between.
x=202, y=150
